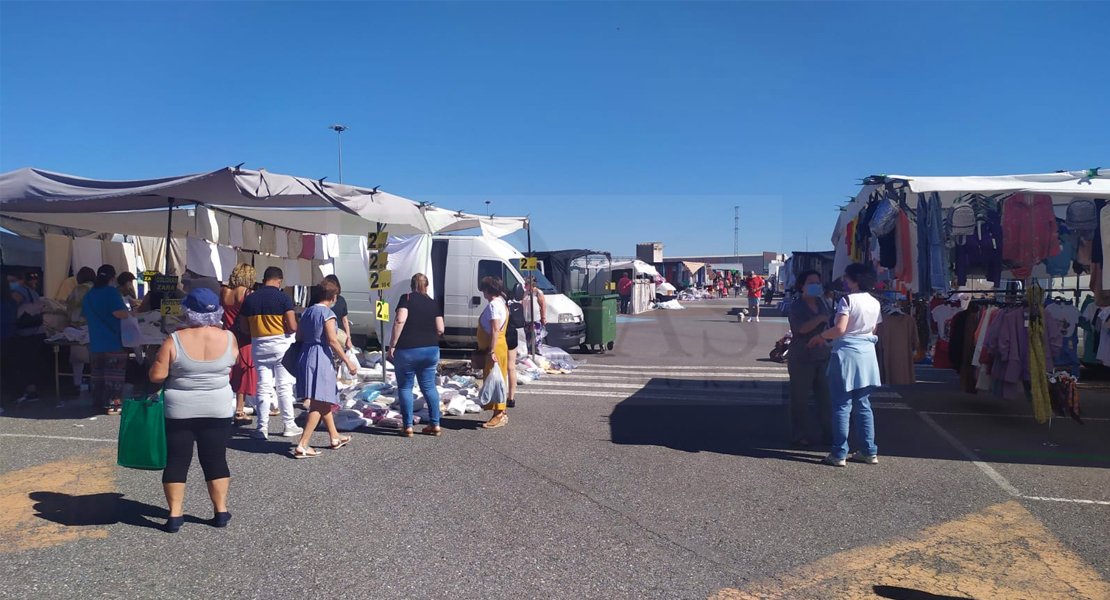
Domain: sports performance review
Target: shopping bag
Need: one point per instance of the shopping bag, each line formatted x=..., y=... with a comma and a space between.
x=130, y=334
x=345, y=374
x=493, y=389
x=142, y=433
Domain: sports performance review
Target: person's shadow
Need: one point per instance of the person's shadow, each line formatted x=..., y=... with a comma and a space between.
x=97, y=509
x=901, y=593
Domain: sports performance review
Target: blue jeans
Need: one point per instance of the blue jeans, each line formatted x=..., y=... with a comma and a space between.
x=417, y=364
x=857, y=404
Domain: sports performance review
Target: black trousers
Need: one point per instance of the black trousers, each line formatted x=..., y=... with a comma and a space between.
x=210, y=437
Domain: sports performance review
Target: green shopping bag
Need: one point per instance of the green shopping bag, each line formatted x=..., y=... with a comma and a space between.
x=142, y=433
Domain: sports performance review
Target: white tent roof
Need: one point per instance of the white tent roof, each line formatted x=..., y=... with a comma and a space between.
x=139, y=207
x=640, y=267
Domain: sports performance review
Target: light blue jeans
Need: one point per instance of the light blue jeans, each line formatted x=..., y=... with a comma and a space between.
x=419, y=365
x=857, y=405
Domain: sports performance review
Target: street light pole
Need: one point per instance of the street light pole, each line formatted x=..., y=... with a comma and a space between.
x=487, y=207
x=339, y=129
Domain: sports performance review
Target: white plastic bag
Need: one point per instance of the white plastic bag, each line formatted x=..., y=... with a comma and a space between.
x=493, y=389
x=130, y=334
x=345, y=374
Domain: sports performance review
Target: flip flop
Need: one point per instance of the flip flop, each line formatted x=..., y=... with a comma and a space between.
x=300, y=452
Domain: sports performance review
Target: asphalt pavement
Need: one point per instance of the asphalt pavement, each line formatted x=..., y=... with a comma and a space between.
x=657, y=470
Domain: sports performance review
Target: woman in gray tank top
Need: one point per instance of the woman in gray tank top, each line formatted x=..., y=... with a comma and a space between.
x=194, y=365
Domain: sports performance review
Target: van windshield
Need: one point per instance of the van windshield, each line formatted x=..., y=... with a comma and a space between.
x=542, y=282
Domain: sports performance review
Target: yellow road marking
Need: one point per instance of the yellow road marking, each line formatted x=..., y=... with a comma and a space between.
x=28, y=495
x=1000, y=552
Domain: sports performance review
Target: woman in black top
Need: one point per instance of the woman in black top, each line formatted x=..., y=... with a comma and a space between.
x=414, y=350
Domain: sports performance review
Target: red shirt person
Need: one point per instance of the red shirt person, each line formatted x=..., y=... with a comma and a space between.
x=624, y=289
x=755, y=284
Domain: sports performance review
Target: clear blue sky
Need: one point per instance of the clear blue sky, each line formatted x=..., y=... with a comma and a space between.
x=609, y=123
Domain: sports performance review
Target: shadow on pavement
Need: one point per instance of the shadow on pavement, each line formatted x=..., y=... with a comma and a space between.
x=96, y=509
x=900, y=593
x=749, y=417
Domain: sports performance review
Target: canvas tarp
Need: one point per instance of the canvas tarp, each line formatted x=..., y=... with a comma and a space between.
x=297, y=203
x=1062, y=186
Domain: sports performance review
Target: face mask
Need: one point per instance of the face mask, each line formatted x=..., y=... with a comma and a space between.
x=814, y=290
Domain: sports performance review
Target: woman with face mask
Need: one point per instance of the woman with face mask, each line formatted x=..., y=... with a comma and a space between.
x=809, y=317
x=853, y=366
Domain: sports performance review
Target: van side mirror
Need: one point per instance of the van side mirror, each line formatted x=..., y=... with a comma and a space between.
x=518, y=292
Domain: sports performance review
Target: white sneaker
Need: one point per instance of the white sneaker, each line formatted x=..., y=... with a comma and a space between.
x=258, y=434
x=836, y=462
x=292, y=431
x=757, y=319
x=870, y=459
x=750, y=319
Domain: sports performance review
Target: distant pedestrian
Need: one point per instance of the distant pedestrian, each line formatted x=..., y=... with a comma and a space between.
x=754, y=283
x=104, y=308
x=244, y=377
x=491, y=341
x=414, y=350
x=853, y=368
x=317, y=380
x=267, y=315
x=624, y=290
x=194, y=364
x=809, y=317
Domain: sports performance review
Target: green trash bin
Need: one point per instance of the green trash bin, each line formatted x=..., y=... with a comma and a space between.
x=600, y=316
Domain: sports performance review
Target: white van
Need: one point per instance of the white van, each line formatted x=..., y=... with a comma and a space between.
x=458, y=264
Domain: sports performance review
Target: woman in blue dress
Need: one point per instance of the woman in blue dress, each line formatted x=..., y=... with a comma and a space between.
x=316, y=376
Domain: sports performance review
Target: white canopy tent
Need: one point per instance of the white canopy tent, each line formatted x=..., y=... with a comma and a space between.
x=35, y=202
x=295, y=203
x=1061, y=186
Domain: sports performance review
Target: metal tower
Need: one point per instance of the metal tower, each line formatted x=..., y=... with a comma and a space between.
x=736, y=231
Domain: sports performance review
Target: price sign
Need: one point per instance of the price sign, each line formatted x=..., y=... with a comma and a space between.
x=163, y=283
x=375, y=240
x=379, y=261
x=381, y=280
x=610, y=285
x=149, y=275
x=529, y=264
x=381, y=310
x=171, y=307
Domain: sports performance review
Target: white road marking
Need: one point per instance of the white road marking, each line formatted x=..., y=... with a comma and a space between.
x=769, y=400
x=995, y=476
x=687, y=385
x=56, y=437
x=1012, y=416
x=667, y=375
x=892, y=405
x=885, y=395
x=593, y=366
x=1072, y=500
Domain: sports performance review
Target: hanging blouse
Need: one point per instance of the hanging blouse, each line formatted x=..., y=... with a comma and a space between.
x=981, y=253
x=1029, y=229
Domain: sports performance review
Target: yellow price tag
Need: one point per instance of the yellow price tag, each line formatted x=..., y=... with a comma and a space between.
x=610, y=285
x=375, y=240
x=379, y=261
x=381, y=310
x=381, y=280
x=171, y=307
x=529, y=264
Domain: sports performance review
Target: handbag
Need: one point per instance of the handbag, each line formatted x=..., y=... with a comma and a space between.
x=142, y=433
x=478, y=359
x=292, y=357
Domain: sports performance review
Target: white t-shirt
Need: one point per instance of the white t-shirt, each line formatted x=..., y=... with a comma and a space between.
x=863, y=311
x=496, y=309
x=942, y=316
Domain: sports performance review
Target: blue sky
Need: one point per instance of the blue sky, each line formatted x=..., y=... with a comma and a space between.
x=609, y=123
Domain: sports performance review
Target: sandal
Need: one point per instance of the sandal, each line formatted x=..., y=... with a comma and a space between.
x=497, y=421
x=274, y=412
x=302, y=452
x=432, y=430
x=115, y=408
x=406, y=432
x=337, y=443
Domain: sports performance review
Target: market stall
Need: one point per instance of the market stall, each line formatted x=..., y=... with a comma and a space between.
x=970, y=259
x=199, y=226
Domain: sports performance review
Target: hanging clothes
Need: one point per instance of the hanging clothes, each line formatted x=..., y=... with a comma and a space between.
x=1029, y=227
x=268, y=240
x=981, y=253
x=1060, y=265
x=87, y=252
x=1065, y=317
x=308, y=246
x=252, y=236
x=235, y=232
x=897, y=343
x=1087, y=317
x=223, y=226
x=205, y=225
x=228, y=258
x=57, y=251
x=282, y=248
x=1042, y=403
x=942, y=316
x=296, y=244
